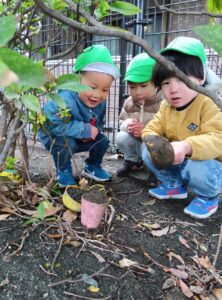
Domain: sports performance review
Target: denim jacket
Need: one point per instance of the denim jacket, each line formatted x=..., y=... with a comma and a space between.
x=78, y=122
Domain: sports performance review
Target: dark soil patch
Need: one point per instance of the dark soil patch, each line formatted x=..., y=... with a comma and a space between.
x=75, y=193
x=51, y=260
x=96, y=196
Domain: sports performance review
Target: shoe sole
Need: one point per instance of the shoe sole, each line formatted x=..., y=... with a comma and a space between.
x=180, y=196
x=193, y=215
x=94, y=177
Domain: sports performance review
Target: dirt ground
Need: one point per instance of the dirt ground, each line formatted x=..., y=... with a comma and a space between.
x=143, y=249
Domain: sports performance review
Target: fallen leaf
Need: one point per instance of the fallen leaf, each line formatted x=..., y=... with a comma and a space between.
x=98, y=256
x=93, y=289
x=161, y=232
x=204, y=247
x=35, y=200
x=9, y=210
x=149, y=203
x=125, y=262
x=50, y=211
x=173, y=229
x=73, y=243
x=218, y=293
x=179, y=273
x=196, y=289
x=83, y=182
x=150, y=226
x=185, y=289
x=121, y=217
x=169, y=283
x=69, y=216
x=178, y=257
x=3, y=188
x=4, y=216
x=205, y=262
x=184, y=242
x=4, y=282
x=27, y=212
x=202, y=297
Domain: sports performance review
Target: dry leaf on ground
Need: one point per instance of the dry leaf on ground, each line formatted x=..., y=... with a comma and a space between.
x=125, y=262
x=185, y=289
x=184, y=242
x=69, y=216
x=161, y=232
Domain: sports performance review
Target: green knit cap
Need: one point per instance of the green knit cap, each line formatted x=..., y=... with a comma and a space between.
x=96, y=58
x=140, y=68
x=187, y=45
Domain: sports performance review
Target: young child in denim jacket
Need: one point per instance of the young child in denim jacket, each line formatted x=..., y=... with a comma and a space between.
x=192, y=122
x=138, y=109
x=82, y=131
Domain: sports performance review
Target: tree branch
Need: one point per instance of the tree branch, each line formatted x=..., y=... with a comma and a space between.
x=99, y=29
x=190, y=13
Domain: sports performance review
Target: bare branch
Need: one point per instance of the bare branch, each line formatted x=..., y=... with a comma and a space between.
x=190, y=13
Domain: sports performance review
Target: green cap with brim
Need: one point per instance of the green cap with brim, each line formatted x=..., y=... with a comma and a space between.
x=96, y=58
x=140, y=68
x=187, y=45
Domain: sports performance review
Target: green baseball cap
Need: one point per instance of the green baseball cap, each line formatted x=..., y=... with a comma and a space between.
x=140, y=68
x=187, y=45
x=96, y=58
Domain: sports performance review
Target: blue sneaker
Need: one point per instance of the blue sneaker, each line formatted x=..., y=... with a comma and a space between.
x=163, y=192
x=65, y=178
x=202, y=208
x=96, y=172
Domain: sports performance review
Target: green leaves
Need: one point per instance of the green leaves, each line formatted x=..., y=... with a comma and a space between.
x=67, y=78
x=71, y=82
x=8, y=28
x=57, y=4
x=124, y=8
x=28, y=72
x=6, y=75
x=214, y=6
x=58, y=100
x=31, y=102
x=211, y=35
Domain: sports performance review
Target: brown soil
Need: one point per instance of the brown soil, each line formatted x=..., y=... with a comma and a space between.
x=96, y=196
x=143, y=250
x=75, y=193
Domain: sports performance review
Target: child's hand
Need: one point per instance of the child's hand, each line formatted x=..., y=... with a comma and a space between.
x=131, y=126
x=181, y=149
x=94, y=132
x=138, y=126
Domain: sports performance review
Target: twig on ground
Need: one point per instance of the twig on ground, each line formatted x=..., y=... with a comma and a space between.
x=152, y=260
x=47, y=272
x=59, y=249
x=6, y=246
x=69, y=280
x=25, y=235
x=119, y=290
x=130, y=192
x=83, y=297
x=218, y=246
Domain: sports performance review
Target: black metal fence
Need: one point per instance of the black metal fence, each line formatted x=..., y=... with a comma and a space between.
x=156, y=26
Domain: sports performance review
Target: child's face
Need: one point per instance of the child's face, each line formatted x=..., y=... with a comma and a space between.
x=176, y=92
x=100, y=84
x=142, y=92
